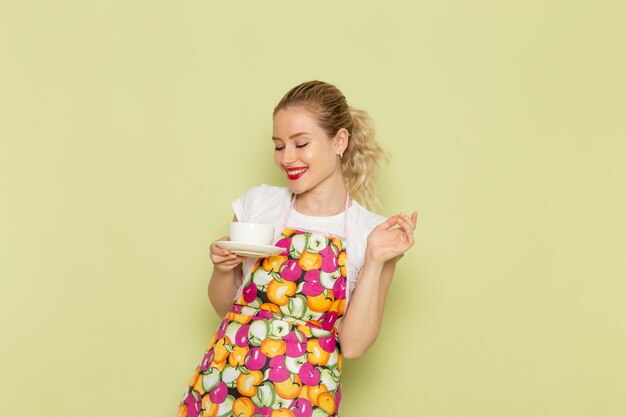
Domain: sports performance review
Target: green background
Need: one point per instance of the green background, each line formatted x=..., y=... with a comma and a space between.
x=127, y=128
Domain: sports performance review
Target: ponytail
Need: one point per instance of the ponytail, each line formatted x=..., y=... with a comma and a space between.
x=362, y=160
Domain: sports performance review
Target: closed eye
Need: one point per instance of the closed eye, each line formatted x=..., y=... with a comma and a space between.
x=302, y=146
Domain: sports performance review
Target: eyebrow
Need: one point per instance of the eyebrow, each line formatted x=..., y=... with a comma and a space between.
x=292, y=136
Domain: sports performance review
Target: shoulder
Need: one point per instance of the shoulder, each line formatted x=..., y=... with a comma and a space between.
x=265, y=191
x=364, y=219
x=260, y=199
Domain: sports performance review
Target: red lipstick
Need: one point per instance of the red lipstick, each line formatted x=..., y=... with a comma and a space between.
x=295, y=173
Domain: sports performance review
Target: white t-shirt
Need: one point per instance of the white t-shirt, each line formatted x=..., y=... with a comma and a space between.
x=269, y=204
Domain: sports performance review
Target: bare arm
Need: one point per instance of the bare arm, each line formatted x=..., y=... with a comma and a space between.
x=386, y=244
x=364, y=316
x=226, y=277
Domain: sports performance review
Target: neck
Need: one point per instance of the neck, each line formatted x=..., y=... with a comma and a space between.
x=326, y=199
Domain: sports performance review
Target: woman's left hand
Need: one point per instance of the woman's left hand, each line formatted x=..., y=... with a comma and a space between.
x=386, y=242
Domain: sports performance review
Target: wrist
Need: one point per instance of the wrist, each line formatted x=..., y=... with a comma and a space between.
x=372, y=261
x=222, y=274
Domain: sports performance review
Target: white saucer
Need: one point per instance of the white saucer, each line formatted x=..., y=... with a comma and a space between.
x=252, y=250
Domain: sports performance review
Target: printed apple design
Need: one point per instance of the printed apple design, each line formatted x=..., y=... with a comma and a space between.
x=279, y=329
x=333, y=361
x=206, y=360
x=255, y=359
x=338, y=395
x=221, y=330
x=312, y=286
x=248, y=382
x=261, y=277
x=264, y=314
x=296, y=307
x=232, y=329
x=211, y=379
x=288, y=389
x=284, y=243
x=318, y=412
x=328, y=378
x=329, y=260
x=226, y=407
x=328, y=279
x=298, y=243
x=241, y=337
x=229, y=376
x=193, y=401
x=249, y=293
x=279, y=292
x=301, y=407
x=318, y=332
x=265, y=395
x=339, y=288
x=328, y=343
x=237, y=355
x=328, y=320
x=258, y=331
x=218, y=394
x=262, y=411
x=296, y=344
x=293, y=364
x=316, y=243
x=309, y=375
x=278, y=372
x=290, y=270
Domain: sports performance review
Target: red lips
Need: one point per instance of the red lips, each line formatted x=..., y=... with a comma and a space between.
x=297, y=172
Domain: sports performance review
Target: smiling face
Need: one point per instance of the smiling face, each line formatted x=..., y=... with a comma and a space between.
x=303, y=151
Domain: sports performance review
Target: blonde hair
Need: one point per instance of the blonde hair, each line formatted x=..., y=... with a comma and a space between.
x=363, y=156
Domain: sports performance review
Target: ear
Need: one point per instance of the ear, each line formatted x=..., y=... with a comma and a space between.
x=340, y=140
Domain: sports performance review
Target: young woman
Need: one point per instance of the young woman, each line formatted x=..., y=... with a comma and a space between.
x=291, y=317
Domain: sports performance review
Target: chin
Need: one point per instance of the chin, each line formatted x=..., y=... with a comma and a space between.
x=296, y=188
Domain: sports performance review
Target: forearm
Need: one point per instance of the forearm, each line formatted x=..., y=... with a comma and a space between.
x=222, y=289
x=364, y=315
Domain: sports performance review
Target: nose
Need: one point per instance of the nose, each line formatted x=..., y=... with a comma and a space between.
x=288, y=155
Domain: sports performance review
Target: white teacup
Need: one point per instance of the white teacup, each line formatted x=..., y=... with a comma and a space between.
x=255, y=233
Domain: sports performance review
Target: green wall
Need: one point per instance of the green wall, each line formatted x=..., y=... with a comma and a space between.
x=127, y=128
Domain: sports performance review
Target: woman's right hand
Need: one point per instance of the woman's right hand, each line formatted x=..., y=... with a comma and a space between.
x=223, y=260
